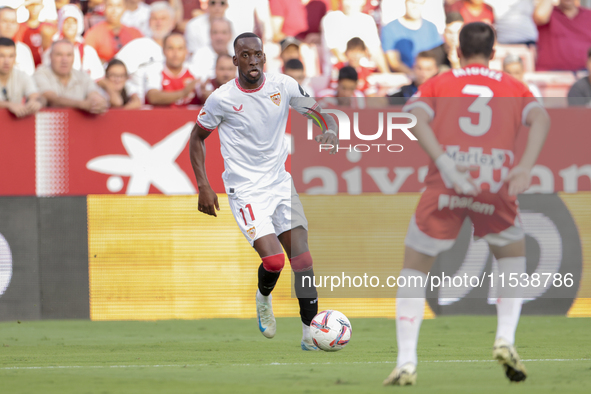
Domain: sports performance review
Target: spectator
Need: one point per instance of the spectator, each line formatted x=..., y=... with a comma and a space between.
x=514, y=23
x=197, y=31
x=118, y=92
x=204, y=60
x=580, y=92
x=70, y=27
x=34, y=33
x=290, y=49
x=18, y=91
x=425, y=67
x=474, y=11
x=110, y=36
x=315, y=11
x=564, y=35
x=405, y=37
x=225, y=71
x=250, y=16
x=432, y=11
x=338, y=27
x=356, y=55
x=295, y=69
x=62, y=86
x=172, y=84
x=137, y=14
x=95, y=14
x=513, y=65
x=345, y=90
x=8, y=29
x=288, y=19
x=149, y=49
x=447, y=53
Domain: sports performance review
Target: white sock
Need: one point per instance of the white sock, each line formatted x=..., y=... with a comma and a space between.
x=410, y=307
x=263, y=298
x=306, y=335
x=509, y=298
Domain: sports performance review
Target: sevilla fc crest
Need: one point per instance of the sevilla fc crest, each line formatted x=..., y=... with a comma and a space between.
x=252, y=232
x=276, y=98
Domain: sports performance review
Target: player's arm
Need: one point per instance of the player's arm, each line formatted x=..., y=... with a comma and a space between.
x=519, y=178
x=457, y=175
x=208, y=199
x=329, y=135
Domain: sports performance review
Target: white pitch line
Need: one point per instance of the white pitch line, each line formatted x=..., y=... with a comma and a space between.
x=274, y=364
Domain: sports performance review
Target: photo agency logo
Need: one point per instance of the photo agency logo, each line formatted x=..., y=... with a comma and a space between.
x=389, y=123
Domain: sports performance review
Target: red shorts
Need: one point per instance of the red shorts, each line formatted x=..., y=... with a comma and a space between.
x=441, y=212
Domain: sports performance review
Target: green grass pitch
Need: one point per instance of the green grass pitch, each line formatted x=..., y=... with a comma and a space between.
x=231, y=356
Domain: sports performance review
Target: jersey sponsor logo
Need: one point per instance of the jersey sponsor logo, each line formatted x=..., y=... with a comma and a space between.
x=252, y=232
x=238, y=109
x=276, y=98
x=453, y=202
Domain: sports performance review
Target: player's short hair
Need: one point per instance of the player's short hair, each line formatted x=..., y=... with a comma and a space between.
x=348, y=72
x=452, y=17
x=293, y=64
x=477, y=39
x=245, y=35
x=356, y=43
x=6, y=42
x=162, y=6
x=427, y=55
x=174, y=33
x=222, y=56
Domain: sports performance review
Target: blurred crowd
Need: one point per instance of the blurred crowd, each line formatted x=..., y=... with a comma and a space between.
x=99, y=54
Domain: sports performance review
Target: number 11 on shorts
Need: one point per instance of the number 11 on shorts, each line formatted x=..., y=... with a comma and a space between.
x=250, y=211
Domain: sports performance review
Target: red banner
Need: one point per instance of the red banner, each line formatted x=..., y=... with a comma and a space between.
x=67, y=152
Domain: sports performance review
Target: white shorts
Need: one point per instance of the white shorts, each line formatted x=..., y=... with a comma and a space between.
x=273, y=209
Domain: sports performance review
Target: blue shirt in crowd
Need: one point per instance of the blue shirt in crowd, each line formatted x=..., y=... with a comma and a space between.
x=410, y=42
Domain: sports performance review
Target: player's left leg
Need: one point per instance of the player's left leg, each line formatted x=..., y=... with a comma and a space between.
x=511, y=262
x=295, y=243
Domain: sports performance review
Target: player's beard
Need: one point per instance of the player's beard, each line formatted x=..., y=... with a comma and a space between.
x=250, y=79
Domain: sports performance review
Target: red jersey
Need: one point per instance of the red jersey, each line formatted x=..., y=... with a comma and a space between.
x=363, y=84
x=171, y=83
x=486, y=14
x=32, y=37
x=475, y=115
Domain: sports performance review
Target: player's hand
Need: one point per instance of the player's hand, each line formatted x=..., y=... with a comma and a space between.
x=208, y=201
x=471, y=189
x=329, y=139
x=519, y=179
x=457, y=176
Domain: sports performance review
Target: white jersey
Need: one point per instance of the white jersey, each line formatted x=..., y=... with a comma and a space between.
x=251, y=126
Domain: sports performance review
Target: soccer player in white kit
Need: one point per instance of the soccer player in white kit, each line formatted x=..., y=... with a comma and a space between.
x=251, y=114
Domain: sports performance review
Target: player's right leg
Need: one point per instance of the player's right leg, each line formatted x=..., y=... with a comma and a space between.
x=252, y=212
x=432, y=230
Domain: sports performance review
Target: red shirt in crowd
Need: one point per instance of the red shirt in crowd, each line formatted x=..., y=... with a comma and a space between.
x=563, y=43
x=362, y=73
x=295, y=19
x=107, y=44
x=32, y=37
x=173, y=83
x=486, y=15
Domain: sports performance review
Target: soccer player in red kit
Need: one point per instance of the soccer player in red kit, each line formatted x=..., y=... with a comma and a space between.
x=468, y=119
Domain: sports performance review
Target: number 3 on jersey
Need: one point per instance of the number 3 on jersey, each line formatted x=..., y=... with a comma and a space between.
x=480, y=107
x=249, y=207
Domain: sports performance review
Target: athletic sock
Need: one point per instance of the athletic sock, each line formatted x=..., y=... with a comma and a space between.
x=267, y=280
x=304, y=286
x=509, y=298
x=306, y=334
x=410, y=307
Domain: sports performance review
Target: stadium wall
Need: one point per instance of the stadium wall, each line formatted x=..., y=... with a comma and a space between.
x=106, y=248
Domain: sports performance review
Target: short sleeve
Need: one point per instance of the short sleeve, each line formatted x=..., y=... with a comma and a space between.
x=529, y=102
x=212, y=114
x=299, y=99
x=388, y=38
x=41, y=80
x=29, y=85
x=423, y=98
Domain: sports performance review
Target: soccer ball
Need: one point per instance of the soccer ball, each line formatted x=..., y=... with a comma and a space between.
x=331, y=330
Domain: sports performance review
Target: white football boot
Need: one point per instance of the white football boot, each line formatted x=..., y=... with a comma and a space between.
x=405, y=375
x=267, y=324
x=507, y=356
x=307, y=342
